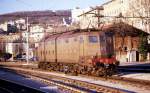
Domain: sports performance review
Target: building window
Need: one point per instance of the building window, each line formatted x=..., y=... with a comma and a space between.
x=93, y=39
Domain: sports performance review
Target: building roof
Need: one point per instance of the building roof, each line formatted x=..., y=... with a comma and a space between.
x=124, y=29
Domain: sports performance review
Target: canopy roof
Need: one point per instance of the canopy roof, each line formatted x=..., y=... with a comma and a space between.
x=123, y=29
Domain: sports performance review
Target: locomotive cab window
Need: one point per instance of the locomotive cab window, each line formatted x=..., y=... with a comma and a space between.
x=93, y=39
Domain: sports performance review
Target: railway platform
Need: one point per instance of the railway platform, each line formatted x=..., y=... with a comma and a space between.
x=135, y=63
x=20, y=64
x=136, y=67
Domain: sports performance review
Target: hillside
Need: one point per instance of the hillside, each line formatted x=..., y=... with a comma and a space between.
x=48, y=16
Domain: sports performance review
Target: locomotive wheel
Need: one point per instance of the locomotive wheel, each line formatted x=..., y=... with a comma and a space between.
x=66, y=69
x=89, y=71
x=93, y=72
x=74, y=69
x=82, y=71
x=75, y=73
x=100, y=72
x=61, y=67
x=109, y=72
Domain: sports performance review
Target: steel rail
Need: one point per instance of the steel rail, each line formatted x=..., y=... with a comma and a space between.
x=4, y=90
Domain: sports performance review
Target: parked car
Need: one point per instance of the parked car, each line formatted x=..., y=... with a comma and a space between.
x=21, y=57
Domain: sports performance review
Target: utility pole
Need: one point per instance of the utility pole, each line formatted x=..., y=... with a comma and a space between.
x=98, y=13
x=27, y=51
x=44, y=45
x=56, y=49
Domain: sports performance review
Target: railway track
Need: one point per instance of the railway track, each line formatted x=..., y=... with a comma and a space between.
x=117, y=79
x=67, y=84
x=125, y=81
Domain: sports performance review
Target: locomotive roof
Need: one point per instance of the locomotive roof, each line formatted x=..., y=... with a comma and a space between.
x=69, y=33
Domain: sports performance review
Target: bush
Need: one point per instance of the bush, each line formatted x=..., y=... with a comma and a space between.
x=143, y=47
x=5, y=56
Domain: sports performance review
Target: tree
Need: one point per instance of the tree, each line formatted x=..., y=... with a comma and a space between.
x=143, y=49
x=12, y=28
x=5, y=56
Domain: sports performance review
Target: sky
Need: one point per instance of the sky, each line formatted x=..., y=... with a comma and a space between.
x=8, y=6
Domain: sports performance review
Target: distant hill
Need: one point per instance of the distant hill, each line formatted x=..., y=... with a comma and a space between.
x=48, y=16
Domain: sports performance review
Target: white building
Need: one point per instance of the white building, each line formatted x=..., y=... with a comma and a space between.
x=86, y=21
x=36, y=32
x=133, y=12
x=20, y=23
x=10, y=46
x=3, y=26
